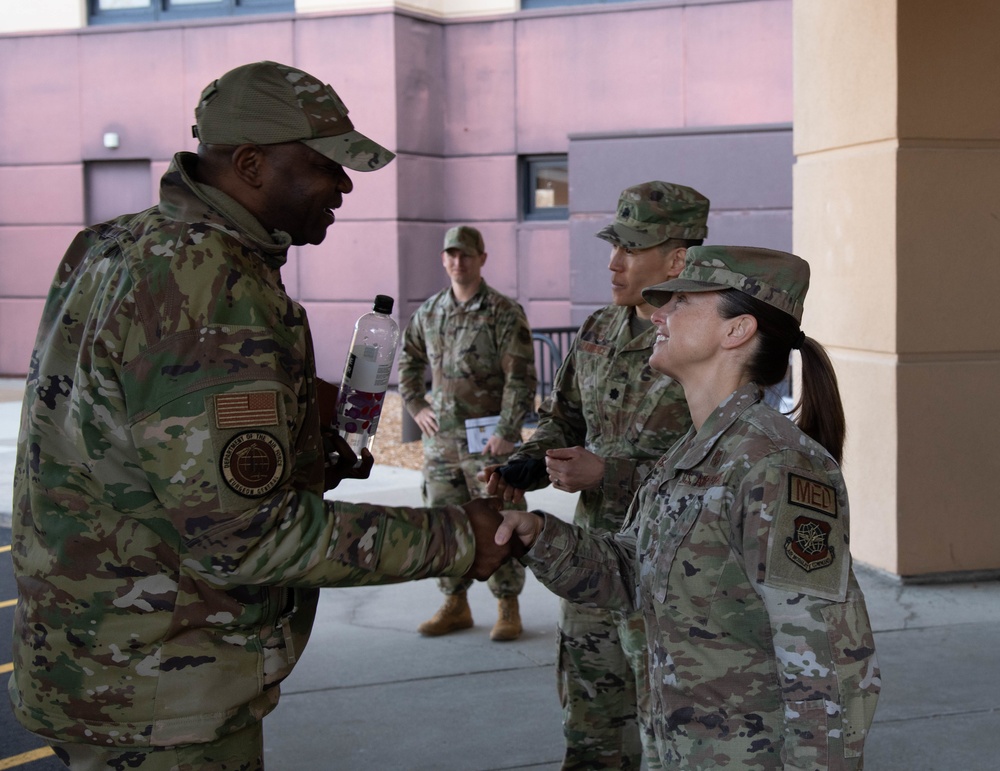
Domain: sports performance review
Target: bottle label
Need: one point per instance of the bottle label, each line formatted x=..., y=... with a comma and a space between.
x=363, y=372
x=359, y=411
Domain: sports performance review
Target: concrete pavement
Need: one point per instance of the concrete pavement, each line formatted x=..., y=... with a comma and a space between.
x=370, y=693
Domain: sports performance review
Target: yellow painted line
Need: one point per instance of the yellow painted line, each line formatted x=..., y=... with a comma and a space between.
x=25, y=757
x=5, y=668
x=3, y=549
x=7, y=603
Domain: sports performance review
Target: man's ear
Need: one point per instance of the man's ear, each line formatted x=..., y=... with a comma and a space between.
x=675, y=261
x=740, y=331
x=248, y=164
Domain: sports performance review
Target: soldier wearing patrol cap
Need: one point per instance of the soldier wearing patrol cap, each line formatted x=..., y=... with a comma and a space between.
x=736, y=547
x=478, y=345
x=170, y=531
x=609, y=418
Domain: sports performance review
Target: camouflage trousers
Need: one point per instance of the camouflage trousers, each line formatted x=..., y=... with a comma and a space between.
x=603, y=688
x=450, y=479
x=241, y=751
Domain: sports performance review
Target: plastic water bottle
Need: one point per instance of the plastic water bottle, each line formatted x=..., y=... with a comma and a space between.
x=366, y=375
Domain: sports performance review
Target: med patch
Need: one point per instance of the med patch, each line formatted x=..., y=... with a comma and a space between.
x=811, y=494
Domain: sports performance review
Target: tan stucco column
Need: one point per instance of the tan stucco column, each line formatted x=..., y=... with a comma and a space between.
x=897, y=209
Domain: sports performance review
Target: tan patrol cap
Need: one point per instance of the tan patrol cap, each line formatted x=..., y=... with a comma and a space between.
x=466, y=239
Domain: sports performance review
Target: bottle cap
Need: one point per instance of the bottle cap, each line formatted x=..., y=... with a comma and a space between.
x=383, y=303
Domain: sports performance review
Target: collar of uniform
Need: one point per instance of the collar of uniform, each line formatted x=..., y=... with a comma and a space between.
x=642, y=342
x=720, y=421
x=474, y=303
x=224, y=210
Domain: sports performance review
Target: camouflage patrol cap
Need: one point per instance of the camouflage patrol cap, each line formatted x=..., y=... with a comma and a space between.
x=776, y=278
x=466, y=239
x=266, y=103
x=654, y=212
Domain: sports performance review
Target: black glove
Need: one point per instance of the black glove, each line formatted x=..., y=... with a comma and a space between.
x=523, y=474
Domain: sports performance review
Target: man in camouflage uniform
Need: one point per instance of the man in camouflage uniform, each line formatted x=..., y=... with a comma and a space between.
x=736, y=550
x=608, y=420
x=481, y=355
x=170, y=530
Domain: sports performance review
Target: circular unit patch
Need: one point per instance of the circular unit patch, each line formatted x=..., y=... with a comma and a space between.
x=252, y=463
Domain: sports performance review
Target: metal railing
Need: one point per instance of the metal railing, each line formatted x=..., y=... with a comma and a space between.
x=551, y=346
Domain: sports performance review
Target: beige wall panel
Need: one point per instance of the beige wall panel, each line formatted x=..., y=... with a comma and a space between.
x=845, y=72
x=947, y=257
x=844, y=226
x=949, y=461
x=949, y=69
x=868, y=389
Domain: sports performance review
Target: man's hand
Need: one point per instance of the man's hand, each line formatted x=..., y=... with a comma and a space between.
x=525, y=525
x=341, y=462
x=574, y=469
x=427, y=420
x=496, y=485
x=326, y=398
x=497, y=445
x=484, y=516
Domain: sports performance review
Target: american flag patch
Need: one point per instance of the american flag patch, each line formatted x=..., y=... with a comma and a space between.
x=246, y=409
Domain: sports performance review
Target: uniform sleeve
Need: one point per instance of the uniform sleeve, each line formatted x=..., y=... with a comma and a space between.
x=231, y=469
x=560, y=418
x=795, y=545
x=585, y=567
x=413, y=366
x=517, y=361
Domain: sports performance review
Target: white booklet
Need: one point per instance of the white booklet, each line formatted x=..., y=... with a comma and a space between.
x=479, y=430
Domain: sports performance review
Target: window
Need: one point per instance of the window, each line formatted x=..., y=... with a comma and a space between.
x=121, y=11
x=545, y=186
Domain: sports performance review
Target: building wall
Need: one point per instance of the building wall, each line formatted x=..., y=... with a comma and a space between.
x=458, y=99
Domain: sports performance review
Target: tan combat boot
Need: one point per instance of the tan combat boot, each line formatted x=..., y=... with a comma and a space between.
x=508, y=625
x=455, y=614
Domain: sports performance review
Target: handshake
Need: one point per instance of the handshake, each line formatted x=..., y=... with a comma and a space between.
x=495, y=532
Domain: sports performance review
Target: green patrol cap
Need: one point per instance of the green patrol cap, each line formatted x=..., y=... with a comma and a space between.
x=266, y=103
x=777, y=278
x=654, y=212
x=466, y=239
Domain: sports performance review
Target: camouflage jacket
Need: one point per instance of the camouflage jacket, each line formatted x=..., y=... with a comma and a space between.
x=761, y=653
x=607, y=399
x=169, y=525
x=482, y=361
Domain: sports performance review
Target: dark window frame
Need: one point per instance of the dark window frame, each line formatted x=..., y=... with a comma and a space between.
x=530, y=165
x=164, y=10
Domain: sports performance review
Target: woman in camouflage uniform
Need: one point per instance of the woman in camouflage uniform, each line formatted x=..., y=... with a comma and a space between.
x=736, y=546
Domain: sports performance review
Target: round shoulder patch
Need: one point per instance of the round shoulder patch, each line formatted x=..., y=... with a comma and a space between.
x=252, y=463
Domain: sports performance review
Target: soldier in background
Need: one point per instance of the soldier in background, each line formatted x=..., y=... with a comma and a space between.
x=169, y=528
x=736, y=547
x=609, y=419
x=481, y=355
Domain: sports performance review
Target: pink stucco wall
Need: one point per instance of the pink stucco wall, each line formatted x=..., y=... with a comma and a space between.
x=458, y=100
